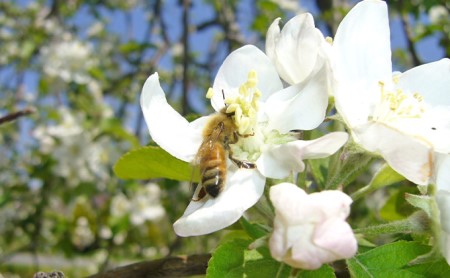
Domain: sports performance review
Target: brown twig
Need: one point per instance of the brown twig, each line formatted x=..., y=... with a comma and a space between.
x=409, y=36
x=15, y=115
x=180, y=266
x=186, y=59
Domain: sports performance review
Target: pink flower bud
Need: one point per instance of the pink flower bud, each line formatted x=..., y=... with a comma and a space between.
x=310, y=230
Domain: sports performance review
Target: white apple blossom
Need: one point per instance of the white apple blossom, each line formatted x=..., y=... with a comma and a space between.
x=404, y=117
x=310, y=230
x=299, y=50
x=249, y=84
x=442, y=181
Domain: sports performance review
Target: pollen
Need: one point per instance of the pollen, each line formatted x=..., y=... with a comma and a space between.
x=245, y=104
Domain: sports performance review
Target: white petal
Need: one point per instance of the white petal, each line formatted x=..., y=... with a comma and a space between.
x=272, y=36
x=442, y=172
x=409, y=156
x=336, y=236
x=302, y=106
x=445, y=246
x=285, y=195
x=295, y=51
x=279, y=161
x=323, y=146
x=363, y=58
x=167, y=126
x=243, y=190
x=291, y=205
x=443, y=201
x=333, y=203
x=234, y=72
x=434, y=126
x=431, y=80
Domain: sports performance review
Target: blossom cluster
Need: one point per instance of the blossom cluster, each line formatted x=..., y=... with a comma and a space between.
x=78, y=159
x=269, y=97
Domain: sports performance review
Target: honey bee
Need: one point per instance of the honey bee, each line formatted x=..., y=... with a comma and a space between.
x=219, y=133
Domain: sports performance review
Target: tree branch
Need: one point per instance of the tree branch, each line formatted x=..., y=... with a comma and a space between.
x=409, y=36
x=180, y=266
x=13, y=116
x=185, y=40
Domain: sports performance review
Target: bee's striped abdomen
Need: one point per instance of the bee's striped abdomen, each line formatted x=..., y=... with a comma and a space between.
x=213, y=169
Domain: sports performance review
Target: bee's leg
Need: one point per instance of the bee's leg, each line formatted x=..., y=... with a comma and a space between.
x=243, y=135
x=239, y=163
x=242, y=163
x=201, y=194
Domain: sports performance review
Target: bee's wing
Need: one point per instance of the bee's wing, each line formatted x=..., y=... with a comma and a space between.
x=204, y=148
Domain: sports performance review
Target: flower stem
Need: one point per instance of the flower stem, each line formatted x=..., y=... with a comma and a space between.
x=280, y=270
x=417, y=222
x=362, y=192
x=346, y=166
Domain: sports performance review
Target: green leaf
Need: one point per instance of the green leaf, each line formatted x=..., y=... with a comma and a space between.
x=389, y=260
x=396, y=207
x=325, y=271
x=152, y=162
x=419, y=201
x=234, y=259
x=433, y=269
x=134, y=46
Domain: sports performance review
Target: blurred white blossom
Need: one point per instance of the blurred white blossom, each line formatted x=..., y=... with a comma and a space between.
x=82, y=235
x=438, y=13
x=289, y=5
x=80, y=156
x=120, y=205
x=69, y=60
x=146, y=205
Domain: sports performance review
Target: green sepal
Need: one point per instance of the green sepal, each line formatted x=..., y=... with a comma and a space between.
x=385, y=176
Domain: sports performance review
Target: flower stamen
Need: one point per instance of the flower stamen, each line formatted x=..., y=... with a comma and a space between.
x=396, y=105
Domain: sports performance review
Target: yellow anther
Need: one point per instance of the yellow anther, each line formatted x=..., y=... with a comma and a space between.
x=418, y=97
x=329, y=40
x=396, y=78
x=237, y=113
x=210, y=93
x=231, y=108
x=244, y=105
x=400, y=104
x=230, y=100
x=244, y=125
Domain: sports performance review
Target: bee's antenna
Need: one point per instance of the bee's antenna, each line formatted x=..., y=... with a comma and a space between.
x=223, y=96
